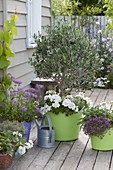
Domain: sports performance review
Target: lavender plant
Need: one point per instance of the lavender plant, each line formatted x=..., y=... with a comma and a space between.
x=21, y=104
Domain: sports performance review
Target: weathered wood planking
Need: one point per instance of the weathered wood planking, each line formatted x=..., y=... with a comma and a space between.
x=74, y=155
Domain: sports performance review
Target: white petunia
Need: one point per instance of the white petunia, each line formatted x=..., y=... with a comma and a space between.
x=21, y=150
x=56, y=98
x=71, y=106
x=66, y=102
x=56, y=105
x=27, y=145
x=99, y=31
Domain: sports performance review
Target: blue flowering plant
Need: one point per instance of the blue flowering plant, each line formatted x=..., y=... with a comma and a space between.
x=21, y=104
x=68, y=104
x=97, y=120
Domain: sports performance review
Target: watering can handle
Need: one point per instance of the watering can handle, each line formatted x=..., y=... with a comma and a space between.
x=50, y=125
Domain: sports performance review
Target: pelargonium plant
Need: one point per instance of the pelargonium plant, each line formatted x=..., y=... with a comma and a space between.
x=68, y=105
x=97, y=120
x=21, y=104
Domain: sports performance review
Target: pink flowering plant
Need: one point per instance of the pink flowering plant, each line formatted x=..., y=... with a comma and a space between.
x=97, y=120
x=21, y=104
x=68, y=105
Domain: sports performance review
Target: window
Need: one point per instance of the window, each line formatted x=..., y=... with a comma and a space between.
x=33, y=20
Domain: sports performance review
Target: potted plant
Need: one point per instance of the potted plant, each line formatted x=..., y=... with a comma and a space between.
x=10, y=141
x=21, y=104
x=67, y=56
x=97, y=122
x=65, y=113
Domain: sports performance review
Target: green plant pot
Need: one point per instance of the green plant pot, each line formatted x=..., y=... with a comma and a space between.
x=104, y=144
x=66, y=127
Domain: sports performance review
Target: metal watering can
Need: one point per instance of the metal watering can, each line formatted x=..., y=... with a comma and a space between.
x=45, y=133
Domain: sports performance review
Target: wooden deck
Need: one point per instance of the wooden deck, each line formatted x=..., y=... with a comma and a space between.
x=74, y=155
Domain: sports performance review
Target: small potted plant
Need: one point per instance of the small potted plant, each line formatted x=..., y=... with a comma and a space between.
x=65, y=113
x=97, y=122
x=10, y=141
x=21, y=104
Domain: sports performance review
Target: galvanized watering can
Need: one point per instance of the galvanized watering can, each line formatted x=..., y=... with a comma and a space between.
x=45, y=133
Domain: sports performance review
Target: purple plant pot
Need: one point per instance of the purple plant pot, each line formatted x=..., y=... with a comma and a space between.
x=28, y=129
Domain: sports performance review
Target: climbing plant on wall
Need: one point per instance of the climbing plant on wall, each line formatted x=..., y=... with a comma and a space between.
x=6, y=38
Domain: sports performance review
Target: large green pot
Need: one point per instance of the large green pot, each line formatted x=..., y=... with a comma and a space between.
x=104, y=144
x=66, y=127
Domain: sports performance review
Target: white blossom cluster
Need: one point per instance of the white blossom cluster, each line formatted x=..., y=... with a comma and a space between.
x=101, y=82
x=55, y=101
x=23, y=146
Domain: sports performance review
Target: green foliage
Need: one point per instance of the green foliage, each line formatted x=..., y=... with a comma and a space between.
x=80, y=7
x=13, y=126
x=9, y=142
x=67, y=56
x=6, y=38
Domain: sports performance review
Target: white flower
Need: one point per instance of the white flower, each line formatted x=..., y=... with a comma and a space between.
x=102, y=60
x=71, y=106
x=21, y=150
x=56, y=98
x=76, y=109
x=66, y=102
x=97, y=23
x=27, y=145
x=56, y=105
x=102, y=68
x=99, y=31
x=47, y=97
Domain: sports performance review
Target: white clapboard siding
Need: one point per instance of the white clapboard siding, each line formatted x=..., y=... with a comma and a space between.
x=19, y=45
x=46, y=3
x=21, y=57
x=1, y=18
x=46, y=21
x=46, y=12
x=19, y=66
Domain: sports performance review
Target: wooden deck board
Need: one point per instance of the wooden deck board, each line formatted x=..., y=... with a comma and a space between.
x=74, y=155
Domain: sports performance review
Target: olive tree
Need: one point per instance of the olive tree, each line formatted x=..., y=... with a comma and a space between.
x=65, y=55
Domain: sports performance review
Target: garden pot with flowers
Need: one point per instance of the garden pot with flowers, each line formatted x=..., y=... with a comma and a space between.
x=21, y=104
x=11, y=141
x=65, y=113
x=97, y=122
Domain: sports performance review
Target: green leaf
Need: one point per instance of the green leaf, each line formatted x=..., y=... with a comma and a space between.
x=7, y=82
x=2, y=96
x=7, y=37
x=1, y=35
x=8, y=52
x=1, y=49
x=4, y=63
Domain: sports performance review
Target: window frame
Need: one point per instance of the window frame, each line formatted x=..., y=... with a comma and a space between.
x=33, y=23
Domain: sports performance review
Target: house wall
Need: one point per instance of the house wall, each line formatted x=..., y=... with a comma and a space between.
x=20, y=67
x=1, y=14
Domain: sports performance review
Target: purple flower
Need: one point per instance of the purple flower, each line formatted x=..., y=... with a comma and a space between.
x=12, y=77
x=15, y=101
x=37, y=86
x=17, y=81
x=38, y=110
x=96, y=126
x=23, y=108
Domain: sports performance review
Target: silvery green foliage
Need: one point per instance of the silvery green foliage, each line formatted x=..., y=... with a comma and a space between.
x=66, y=55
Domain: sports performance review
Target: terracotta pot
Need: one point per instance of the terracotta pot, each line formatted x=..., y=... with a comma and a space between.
x=5, y=161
